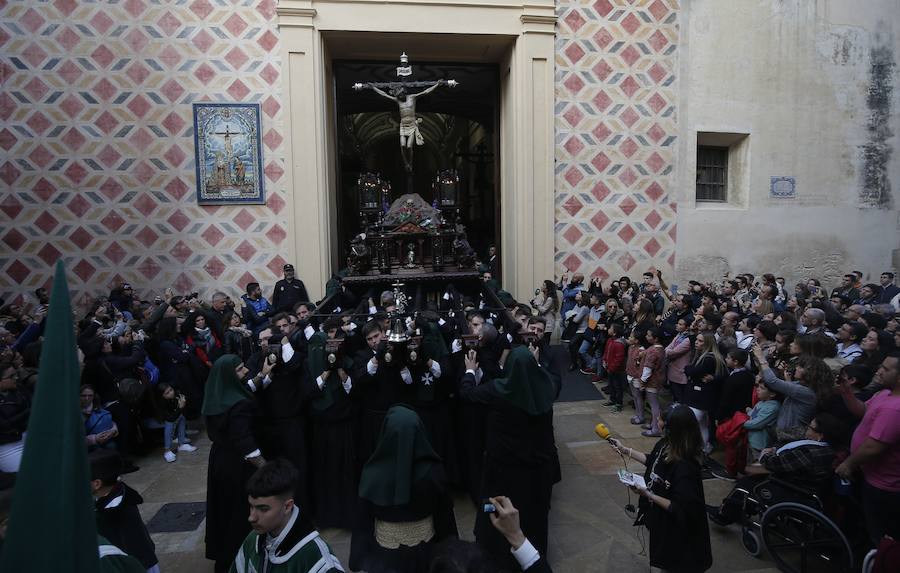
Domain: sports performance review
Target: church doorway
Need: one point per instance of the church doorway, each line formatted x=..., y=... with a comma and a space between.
x=460, y=135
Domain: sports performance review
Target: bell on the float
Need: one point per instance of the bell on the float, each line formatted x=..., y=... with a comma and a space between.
x=398, y=332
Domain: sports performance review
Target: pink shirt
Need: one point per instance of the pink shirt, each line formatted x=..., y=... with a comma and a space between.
x=882, y=423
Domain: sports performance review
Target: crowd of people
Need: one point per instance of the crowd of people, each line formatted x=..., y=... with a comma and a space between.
x=368, y=418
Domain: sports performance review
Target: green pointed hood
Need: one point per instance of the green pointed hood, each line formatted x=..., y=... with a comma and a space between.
x=525, y=384
x=52, y=527
x=403, y=457
x=223, y=389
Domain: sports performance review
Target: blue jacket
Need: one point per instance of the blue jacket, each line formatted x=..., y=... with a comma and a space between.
x=763, y=416
x=256, y=313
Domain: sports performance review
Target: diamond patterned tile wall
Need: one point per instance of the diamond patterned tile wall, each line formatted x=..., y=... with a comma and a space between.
x=96, y=143
x=615, y=136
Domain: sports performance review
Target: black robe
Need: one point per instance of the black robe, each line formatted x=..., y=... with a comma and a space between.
x=333, y=462
x=520, y=462
x=679, y=537
x=432, y=402
x=377, y=393
x=286, y=428
x=429, y=496
x=119, y=521
x=233, y=437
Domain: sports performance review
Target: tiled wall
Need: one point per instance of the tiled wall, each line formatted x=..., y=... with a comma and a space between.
x=96, y=143
x=616, y=62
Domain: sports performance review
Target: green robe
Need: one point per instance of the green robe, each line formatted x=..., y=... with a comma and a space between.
x=308, y=555
x=114, y=560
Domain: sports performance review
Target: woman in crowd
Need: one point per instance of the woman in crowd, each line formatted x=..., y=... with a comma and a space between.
x=678, y=355
x=704, y=376
x=238, y=338
x=814, y=384
x=15, y=407
x=672, y=504
x=875, y=346
x=644, y=318
x=520, y=454
x=546, y=302
x=198, y=335
x=231, y=416
x=764, y=334
x=175, y=366
x=100, y=430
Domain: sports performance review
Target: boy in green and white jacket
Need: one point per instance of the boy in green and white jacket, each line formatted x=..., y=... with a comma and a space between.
x=283, y=539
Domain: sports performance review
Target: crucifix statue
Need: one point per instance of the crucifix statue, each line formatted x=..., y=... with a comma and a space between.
x=399, y=92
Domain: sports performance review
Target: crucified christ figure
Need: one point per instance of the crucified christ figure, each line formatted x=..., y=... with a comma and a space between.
x=409, y=123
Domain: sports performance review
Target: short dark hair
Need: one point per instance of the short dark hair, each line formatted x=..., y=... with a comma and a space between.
x=889, y=274
x=739, y=355
x=309, y=306
x=768, y=329
x=538, y=320
x=276, y=478
x=834, y=431
x=617, y=328
x=251, y=287
x=371, y=327
x=280, y=316
x=859, y=372
x=332, y=323
x=858, y=330
x=655, y=332
x=874, y=320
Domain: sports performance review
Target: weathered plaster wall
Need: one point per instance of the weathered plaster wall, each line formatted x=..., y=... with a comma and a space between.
x=815, y=84
x=96, y=143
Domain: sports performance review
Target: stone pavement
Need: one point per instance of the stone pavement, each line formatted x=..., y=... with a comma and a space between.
x=589, y=528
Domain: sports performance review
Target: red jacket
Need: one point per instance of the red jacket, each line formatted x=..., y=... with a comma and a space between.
x=614, y=355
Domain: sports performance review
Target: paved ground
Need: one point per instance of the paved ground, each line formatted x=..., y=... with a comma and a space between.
x=589, y=529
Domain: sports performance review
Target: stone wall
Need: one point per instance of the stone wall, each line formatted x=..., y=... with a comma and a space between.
x=96, y=143
x=616, y=130
x=814, y=85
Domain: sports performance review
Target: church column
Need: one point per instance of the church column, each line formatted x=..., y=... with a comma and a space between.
x=528, y=188
x=306, y=151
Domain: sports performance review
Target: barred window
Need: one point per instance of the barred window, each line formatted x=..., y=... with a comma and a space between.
x=712, y=174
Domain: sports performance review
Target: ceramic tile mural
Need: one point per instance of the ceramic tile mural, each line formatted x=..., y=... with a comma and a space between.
x=96, y=143
x=615, y=136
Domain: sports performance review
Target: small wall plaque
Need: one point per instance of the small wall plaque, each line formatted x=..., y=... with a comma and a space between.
x=782, y=187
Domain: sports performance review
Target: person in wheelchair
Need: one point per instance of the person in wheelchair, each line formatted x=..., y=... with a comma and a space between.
x=799, y=465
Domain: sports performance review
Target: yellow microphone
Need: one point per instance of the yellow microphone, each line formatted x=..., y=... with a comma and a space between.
x=602, y=431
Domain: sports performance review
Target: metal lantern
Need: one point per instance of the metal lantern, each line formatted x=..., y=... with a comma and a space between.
x=369, y=188
x=446, y=189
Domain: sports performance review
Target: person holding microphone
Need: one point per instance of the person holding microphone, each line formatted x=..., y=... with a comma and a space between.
x=672, y=504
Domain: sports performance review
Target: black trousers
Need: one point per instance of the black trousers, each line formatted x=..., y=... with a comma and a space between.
x=881, y=508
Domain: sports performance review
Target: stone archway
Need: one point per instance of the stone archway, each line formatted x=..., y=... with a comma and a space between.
x=518, y=37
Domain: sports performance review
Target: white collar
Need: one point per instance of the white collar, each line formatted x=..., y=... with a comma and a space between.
x=272, y=546
x=799, y=444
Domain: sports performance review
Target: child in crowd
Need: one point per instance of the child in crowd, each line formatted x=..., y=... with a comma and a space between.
x=633, y=375
x=116, y=508
x=763, y=417
x=171, y=407
x=614, y=364
x=652, y=376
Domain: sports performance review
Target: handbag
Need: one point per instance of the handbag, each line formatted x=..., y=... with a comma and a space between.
x=732, y=430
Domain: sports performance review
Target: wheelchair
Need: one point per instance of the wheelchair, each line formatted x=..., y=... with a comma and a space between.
x=803, y=531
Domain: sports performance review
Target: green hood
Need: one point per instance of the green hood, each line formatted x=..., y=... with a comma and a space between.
x=223, y=389
x=52, y=527
x=525, y=384
x=403, y=457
